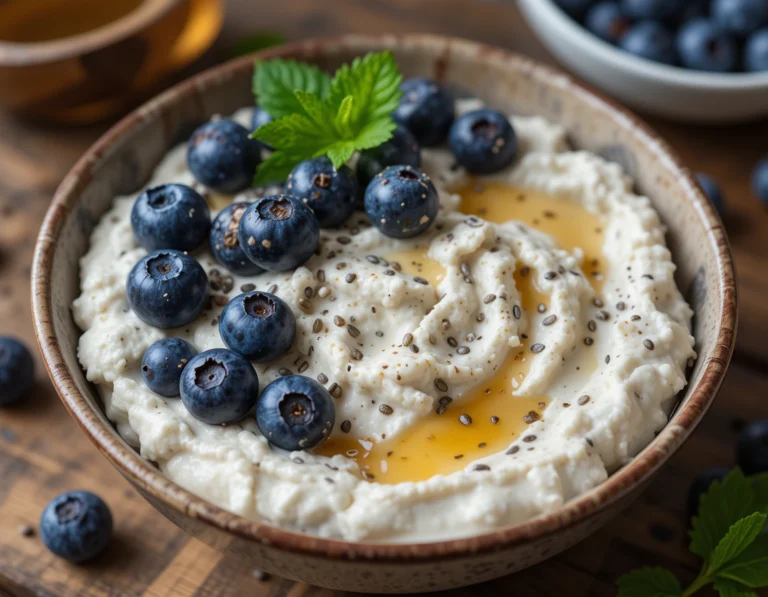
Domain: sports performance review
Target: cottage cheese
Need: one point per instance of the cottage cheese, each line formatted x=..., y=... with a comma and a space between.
x=596, y=419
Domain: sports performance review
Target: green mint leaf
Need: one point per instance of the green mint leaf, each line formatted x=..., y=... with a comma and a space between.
x=760, y=487
x=750, y=568
x=257, y=41
x=729, y=588
x=720, y=507
x=649, y=582
x=275, y=83
x=741, y=534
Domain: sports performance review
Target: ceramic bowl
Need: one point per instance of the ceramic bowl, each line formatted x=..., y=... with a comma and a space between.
x=668, y=91
x=123, y=159
x=92, y=75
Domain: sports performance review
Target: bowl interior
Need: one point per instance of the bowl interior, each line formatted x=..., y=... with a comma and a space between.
x=124, y=158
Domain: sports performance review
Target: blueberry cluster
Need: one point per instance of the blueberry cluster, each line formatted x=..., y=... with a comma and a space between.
x=708, y=35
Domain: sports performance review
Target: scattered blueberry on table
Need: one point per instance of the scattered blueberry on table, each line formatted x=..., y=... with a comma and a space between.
x=402, y=148
x=76, y=526
x=222, y=156
x=401, y=201
x=295, y=413
x=163, y=363
x=426, y=109
x=329, y=192
x=170, y=216
x=167, y=289
x=709, y=35
x=483, y=141
x=17, y=371
x=760, y=180
x=225, y=244
x=713, y=191
x=219, y=386
x=279, y=232
x=258, y=325
x=752, y=448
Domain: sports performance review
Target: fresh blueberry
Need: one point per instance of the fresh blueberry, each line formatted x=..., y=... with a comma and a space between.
x=713, y=191
x=607, y=21
x=699, y=487
x=401, y=201
x=739, y=17
x=258, y=325
x=295, y=413
x=760, y=180
x=225, y=244
x=222, y=156
x=575, y=8
x=171, y=216
x=426, y=109
x=657, y=10
x=279, y=232
x=219, y=386
x=756, y=51
x=483, y=141
x=694, y=9
x=76, y=526
x=163, y=363
x=329, y=192
x=402, y=148
x=752, y=448
x=17, y=371
x=651, y=40
x=259, y=119
x=702, y=46
x=167, y=289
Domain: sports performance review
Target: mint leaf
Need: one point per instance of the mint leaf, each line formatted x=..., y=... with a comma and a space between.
x=750, y=568
x=257, y=41
x=760, y=487
x=720, y=507
x=649, y=582
x=741, y=534
x=275, y=83
x=729, y=588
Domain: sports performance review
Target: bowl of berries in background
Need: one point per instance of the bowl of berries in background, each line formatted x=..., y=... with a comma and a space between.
x=703, y=61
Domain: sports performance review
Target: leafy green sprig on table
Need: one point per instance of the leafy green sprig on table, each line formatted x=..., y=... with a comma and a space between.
x=316, y=115
x=729, y=534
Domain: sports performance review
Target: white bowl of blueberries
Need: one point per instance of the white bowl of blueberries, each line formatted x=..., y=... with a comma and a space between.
x=700, y=61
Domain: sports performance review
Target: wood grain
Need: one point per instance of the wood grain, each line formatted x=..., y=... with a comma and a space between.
x=43, y=453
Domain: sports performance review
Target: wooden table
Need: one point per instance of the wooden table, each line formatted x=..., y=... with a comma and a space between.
x=43, y=453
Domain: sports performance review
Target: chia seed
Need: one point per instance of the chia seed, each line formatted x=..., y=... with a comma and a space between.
x=248, y=287
x=272, y=289
x=550, y=275
x=317, y=325
x=529, y=438
x=349, y=278
x=536, y=348
x=635, y=318
x=305, y=304
x=588, y=341
x=649, y=344
x=372, y=259
x=481, y=467
x=420, y=280
x=465, y=419
x=322, y=378
x=309, y=292
x=531, y=417
x=441, y=385
x=549, y=320
x=602, y=315
x=489, y=299
x=513, y=450
x=283, y=371
x=346, y=426
x=414, y=348
x=583, y=400
x=462, y=350
x=335, y=390
x=389, y=272
x=494, y=419
x=621, y=305
x=320, y=275
x=517, y=312
x=356, y=355
x=353, y=331
x=452, y=341
x=339, y=321
x=541, y=308
x=386, y=409
x=407, y=339
x=591, y=325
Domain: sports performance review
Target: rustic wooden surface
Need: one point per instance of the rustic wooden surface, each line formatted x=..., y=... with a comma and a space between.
x=43, y=453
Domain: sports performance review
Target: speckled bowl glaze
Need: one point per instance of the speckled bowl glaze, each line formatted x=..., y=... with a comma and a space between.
x=123, y=159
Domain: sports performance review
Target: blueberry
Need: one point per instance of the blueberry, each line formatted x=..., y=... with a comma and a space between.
x=225, y=244
x=279, y=232
x=219, y=386
x=259, y=119
x=650, y=40
x=329, y=192
x=167, y=289
x=702, y=46
x=739, y=17
x=295, y=413
x=756, y=51
x=607, y=21
x=163, y=363
x=76, y=526
x=575, y=8
x=760, y=180
x=222, y=156
x=657, y=10
x=426, y=109
x=171, y=216
x=258, y=325
x=483, y=141
x=752, y=448
x=699, y=487
x=17, y=371
x=694, y=9
x=401, y=201
x=402, y=148
x=713, y=191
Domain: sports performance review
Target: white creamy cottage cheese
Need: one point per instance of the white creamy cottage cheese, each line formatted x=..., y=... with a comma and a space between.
x=587, y=363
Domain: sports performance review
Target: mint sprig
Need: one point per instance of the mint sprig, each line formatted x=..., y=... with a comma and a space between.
x=319, y=116
x=729, y=534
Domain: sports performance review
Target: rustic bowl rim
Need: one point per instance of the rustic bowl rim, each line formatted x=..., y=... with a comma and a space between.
x=156, y=485
x=27, y=54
